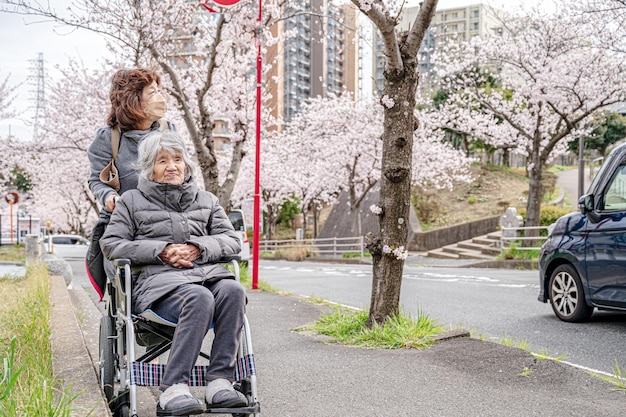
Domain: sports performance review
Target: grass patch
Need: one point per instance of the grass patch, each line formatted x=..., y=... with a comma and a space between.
x=245, y=276
x=348, y=255
x=27, y=384
x=618, y=379
x=400, y=331
x=12, y=253
x=515, y=253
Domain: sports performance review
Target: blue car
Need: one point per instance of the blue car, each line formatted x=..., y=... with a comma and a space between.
x=582, y=264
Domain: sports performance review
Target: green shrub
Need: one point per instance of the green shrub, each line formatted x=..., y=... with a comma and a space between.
x=549, y=215
x=299, y=253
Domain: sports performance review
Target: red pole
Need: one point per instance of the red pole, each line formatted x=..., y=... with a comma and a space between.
x=11, y=217
x=257, y=174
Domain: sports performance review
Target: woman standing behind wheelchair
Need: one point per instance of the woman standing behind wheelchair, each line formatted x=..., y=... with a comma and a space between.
x=137, y=107
x=173, y=233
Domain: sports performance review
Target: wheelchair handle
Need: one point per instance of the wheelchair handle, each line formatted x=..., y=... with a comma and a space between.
x=121, y=262
x=228, y=258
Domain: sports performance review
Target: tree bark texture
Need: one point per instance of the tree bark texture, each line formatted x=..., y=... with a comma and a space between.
x=535, y=195
x=398, y=101
x=395, y=193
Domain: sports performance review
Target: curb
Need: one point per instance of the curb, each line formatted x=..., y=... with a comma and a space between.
x=71, y=361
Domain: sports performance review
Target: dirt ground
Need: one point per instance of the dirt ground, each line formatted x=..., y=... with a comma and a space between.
x=490, y=192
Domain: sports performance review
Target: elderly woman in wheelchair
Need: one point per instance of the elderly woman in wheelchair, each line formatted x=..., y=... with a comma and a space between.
x=174, y=233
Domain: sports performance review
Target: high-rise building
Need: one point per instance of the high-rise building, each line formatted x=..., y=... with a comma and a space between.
x=448, y=25
x=317, y=56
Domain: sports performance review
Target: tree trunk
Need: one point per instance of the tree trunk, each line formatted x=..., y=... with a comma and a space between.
x=226, y=190
x=535, y=194
x=315, y=217
x=395, y=193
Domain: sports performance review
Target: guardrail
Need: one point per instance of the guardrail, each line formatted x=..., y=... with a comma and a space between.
x=512, y=235
x=334, y=246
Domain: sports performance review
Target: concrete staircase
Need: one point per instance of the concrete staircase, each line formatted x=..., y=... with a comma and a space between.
x=485, y=247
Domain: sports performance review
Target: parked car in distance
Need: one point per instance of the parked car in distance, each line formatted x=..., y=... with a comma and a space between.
x=238, y=221
x=582, y=264
x=67, y=246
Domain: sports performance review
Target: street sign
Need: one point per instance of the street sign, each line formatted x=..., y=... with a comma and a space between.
x=12, y=197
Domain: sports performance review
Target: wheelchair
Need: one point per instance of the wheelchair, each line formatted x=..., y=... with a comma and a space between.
x=122, y=368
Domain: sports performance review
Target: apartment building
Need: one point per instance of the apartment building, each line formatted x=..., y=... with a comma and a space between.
x=317, y=56
x=449, y=25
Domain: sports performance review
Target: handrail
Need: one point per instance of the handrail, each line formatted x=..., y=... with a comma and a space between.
x=334, y=246
x=514, y=235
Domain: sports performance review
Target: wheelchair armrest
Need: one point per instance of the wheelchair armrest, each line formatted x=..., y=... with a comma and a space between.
x=121, y=262
x=228, y=258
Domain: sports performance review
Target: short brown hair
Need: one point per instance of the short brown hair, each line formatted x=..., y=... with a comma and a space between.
x=126, y=88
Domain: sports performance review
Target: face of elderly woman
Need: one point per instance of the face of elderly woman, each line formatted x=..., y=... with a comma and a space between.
x=169, y=168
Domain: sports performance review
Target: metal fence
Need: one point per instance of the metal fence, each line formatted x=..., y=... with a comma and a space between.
x=334, y=246
x=515, y=236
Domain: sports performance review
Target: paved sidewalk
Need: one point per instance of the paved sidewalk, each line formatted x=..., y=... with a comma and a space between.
x=300, y=374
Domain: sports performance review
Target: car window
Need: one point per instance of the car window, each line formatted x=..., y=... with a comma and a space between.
x=68, y=240
x=236, y=218
x=615, y=195
x=61, y=240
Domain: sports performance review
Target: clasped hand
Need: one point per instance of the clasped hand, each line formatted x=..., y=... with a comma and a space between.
x=180, y=255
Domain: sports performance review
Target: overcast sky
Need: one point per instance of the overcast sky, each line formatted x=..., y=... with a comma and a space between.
x=22, y=41
x=23, y=38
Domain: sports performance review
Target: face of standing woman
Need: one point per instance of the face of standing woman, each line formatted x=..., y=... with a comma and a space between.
x=154, y=102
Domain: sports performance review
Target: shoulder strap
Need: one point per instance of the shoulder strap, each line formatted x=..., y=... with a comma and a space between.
x=164, y=126
x=115, y=141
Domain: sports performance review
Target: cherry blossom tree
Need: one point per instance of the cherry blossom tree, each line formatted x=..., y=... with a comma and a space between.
x=553, y=80
x=6, y=99
x=273, y=182
x=399, y=100
x=205, y=58
x=606, y=18
x=57, y=162
x=340, y=140
x=6, y=112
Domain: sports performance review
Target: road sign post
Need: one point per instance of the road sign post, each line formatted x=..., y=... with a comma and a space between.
x=257, y=173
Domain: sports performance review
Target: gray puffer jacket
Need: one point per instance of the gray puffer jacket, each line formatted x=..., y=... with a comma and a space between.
x=154, y=215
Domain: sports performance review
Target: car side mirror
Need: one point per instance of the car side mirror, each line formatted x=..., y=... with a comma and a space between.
x=586, y=203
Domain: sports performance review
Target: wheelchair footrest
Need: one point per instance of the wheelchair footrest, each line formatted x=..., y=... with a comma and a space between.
x=151, y=374
x=239, y=410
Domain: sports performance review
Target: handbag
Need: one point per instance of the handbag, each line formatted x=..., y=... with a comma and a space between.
x=109, y=174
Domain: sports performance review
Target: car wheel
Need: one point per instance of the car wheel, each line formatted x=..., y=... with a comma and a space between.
x=567, y=296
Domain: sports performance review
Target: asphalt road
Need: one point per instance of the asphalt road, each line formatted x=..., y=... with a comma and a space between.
x=492, y=303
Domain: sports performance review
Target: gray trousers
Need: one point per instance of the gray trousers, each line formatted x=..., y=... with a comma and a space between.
x=194, y=307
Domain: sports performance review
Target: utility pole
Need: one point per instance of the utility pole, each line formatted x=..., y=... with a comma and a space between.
x=581, y=167
x=39, y=95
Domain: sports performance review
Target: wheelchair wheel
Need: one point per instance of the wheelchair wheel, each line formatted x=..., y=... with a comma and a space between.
x=124, y=411
x=106, y=359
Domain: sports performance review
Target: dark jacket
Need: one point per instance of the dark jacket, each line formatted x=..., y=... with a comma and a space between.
x=154, y=215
